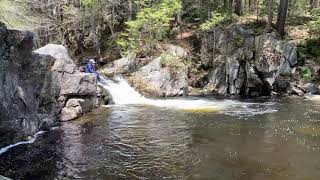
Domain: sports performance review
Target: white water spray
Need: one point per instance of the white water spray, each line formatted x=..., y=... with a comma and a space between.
x=123, y=94
x=5, y=149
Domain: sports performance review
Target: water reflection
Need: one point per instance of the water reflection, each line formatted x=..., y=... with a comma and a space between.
x=146, y=142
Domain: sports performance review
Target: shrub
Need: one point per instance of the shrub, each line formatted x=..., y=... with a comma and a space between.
x=174, y=63
x=307, y=74
x=311, y=48
x=314, y=25
x=218, y=19
x=151, y=25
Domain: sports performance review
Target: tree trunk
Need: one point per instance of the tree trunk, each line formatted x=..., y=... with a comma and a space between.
x=257, y=8
x=270, y=15
x=230, y=4
x=237, y=8
x=130, y=10
x=282, y=15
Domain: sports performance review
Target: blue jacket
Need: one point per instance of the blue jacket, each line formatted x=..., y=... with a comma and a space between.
x=90, y=68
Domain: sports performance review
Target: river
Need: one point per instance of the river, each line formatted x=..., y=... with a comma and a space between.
x=274, y=138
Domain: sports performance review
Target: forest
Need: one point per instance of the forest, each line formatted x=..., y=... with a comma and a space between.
x=109, y=29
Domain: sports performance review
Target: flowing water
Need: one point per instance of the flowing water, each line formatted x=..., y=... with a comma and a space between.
x=180, y=138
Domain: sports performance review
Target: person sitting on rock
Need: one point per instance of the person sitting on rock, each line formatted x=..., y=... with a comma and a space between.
x=90, y=68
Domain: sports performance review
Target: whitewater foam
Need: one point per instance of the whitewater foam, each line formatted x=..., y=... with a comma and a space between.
x=5, y=149
x=123, y=94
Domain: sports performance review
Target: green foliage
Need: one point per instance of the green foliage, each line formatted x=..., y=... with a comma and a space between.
x=258, y=26
x=89, y=3
x=307, y=74
x=151, y=25
x=174, y=63
x=219, y=19
x=314, y=25
x=238, y=41
x=311, y=48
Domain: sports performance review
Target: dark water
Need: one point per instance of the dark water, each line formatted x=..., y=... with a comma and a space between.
x=146, y=142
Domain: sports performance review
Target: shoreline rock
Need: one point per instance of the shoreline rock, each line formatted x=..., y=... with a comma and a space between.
x=35, y=86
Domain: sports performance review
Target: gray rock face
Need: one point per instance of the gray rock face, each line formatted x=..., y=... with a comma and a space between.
x=27, y=88
x=105, y=97
x=125, y=65
x=160, y=80
x=245, y=64
x=79, y=84
x=31, y=83
x=311, y=88
x=76, y=107
x=148, y=75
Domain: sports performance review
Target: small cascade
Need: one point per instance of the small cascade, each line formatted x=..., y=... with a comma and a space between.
x=121, y=91
x=123, y=94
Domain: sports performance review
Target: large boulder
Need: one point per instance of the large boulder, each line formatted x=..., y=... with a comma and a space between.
x=79, y=84
x=124, y=65
x=218, y=75
x=56, y=51
x=154, y=79
x=311, y=88
x=63, y=61
x=75, y=107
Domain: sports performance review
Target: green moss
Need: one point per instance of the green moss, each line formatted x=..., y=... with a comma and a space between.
x=308, y=74
x=174, y=63
x=310, y=48
x=13, y=15
x=238, y=41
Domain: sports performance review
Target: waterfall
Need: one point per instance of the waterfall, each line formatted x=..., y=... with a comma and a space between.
x=123, y=94
x=121, y=91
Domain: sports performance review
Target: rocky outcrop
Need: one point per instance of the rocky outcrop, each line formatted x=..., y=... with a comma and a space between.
x=77, y=91
x=75, y=107
x=105, y=97
x=35, y=86
x=150, y=76
x=242, y=63
x=27, y=88
x=124, y=65
x=154, y=80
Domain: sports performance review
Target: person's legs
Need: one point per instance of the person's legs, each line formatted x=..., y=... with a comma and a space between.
x=98, y=76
